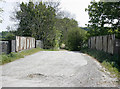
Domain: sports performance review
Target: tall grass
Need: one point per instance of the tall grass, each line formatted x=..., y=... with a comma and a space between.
x=109, y=61
x=6, y=58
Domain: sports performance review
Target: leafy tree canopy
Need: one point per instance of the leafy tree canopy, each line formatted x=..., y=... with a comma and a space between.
x=104, y=18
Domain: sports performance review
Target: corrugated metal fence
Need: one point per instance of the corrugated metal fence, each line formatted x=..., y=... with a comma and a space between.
x=107, y=43
x=23, y=43
x=117, y=46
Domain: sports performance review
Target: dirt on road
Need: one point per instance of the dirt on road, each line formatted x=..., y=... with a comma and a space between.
x=56, y=69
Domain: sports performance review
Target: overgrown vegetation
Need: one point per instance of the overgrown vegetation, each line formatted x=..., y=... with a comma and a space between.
x=109, y=61
x=76, y=38
x=6, y=58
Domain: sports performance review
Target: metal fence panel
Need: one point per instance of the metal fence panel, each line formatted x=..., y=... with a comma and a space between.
x=4, y=47
x=100, y=43
x=97, y=42
x=117, y=47
x=93, y=42
x=105, y=43
x=13, y=45
x=39, y=43
x=111, y=39
x=23, y=43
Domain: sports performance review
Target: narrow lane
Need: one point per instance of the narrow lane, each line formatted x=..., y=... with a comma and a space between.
x=55, y=69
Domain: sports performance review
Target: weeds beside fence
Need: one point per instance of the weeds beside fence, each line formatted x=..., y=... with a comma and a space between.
x=6, y=58
x=110, y=62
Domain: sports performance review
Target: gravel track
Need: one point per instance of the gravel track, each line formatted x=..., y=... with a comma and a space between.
x=56, y=69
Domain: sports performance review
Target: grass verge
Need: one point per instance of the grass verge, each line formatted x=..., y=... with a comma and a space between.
x=6, y=58
x=110, y=62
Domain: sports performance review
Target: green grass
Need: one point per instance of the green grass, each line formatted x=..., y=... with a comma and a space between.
x=6, y=58
x=109, y=61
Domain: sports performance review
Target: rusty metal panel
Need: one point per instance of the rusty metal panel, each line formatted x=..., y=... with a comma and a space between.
x=27, y=43
x=21, y=47
x=33, y=44
x=23, y=43
x=17, y=43
x=30, y=43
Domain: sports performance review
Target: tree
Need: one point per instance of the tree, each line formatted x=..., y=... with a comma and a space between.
x=104, y=16
x=25, y=16
x=8, y=35
x=41, y=21
x=64, y=25
x=76, y=38
x=8, y=28
x=54, y=4
x=37, y=20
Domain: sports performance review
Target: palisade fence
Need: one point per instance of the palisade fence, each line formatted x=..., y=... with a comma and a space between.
x=107, y=43
x=19, y=44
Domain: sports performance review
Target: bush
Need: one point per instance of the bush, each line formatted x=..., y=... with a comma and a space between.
x=75, y=39
x=6, y=58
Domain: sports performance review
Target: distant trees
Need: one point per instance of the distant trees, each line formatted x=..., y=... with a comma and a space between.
x=64, y=25
x=104, y=18
x=44, y=21
x=5, y=35
x=76, y=39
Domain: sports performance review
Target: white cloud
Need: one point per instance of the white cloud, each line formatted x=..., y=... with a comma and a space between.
x=75, y=7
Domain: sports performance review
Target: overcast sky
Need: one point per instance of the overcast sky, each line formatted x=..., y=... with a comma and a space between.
x=75, y=7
